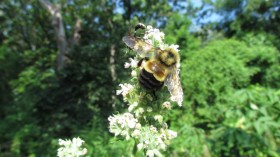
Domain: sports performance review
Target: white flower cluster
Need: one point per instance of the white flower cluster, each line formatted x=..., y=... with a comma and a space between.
x=70, y=148
x=150, y=138
x=123, y=125
x=153, y=36
x=154, y=140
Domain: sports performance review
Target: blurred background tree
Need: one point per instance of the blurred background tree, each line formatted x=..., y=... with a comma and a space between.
x=230, y=72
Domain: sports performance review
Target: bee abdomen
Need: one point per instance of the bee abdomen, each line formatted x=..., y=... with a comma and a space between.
x=148, y=81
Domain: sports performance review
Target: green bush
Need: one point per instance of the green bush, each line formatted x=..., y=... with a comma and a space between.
x=233, y=113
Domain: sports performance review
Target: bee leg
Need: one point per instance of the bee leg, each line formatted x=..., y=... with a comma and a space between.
x=154, y=94
x=141, y=61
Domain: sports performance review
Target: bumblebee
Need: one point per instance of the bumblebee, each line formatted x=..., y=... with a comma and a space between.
x=140, y=26
x=158, y=67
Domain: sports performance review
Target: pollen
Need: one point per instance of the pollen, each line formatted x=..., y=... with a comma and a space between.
x=160, y=75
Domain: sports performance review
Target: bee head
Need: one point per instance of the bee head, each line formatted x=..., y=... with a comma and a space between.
x=168, y=57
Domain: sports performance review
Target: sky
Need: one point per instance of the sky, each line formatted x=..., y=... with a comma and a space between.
x=211, y=18
x=196, y=3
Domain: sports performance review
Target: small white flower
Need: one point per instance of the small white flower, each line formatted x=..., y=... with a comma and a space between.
x=132, y=106
x=167, y=105
x=163, y=136
x=126, y=65
x=159, y=118
x=138, y=126
x=153, y=129
x=171, y=134
x=160, y=143
x=174, y=47
x=140, y=146
x=146, y=142
x=139, y=111
x=125, y=89
x=131, y=124
x=62, y=142
x=71, y=148
x=149, y=27
x=133, y=63
x=127, y=137
x=133, y=73
x=149, y=109
x=78, y=142
x=150, y=153
x=136, y=133
x=130, y=120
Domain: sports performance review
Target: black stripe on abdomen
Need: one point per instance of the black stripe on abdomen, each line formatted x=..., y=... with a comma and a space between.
x=148, y=81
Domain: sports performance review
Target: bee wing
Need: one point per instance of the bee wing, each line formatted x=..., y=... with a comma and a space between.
x=173, y=84
x=142, y=48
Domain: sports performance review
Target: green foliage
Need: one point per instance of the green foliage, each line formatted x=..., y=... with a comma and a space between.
x=231, y=83
x=265, y=60
x=8, y=61
x=190, y=141
x=250, y=127
x=101, y=143
x=217, y=81
x=208, y=72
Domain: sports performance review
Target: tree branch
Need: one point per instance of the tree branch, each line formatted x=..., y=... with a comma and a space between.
x=58, y=25
x=76, y=35
x=112, y=62
x=113, y=69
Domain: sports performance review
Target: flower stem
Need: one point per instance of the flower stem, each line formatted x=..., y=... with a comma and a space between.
x=134, y=151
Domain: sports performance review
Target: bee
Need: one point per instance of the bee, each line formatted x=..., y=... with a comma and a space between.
x=138, y=29
x=140, y=26
x=158, y=67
